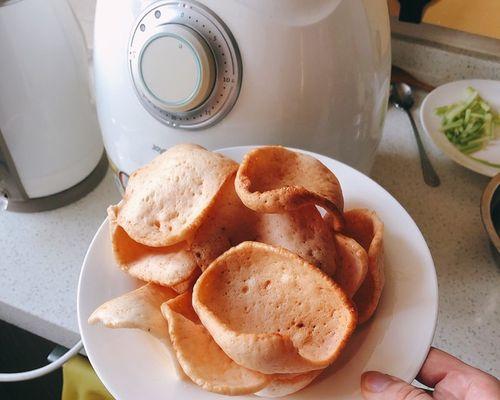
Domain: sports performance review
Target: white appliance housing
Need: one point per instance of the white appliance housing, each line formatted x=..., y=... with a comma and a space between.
x=307, y=74
x=49, y=134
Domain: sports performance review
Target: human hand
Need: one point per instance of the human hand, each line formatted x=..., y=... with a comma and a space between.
x=451, y=379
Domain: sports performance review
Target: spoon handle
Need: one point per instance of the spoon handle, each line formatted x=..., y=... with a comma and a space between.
x=430, y=176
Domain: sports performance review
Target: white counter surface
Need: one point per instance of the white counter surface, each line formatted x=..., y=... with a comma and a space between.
x=41, y=254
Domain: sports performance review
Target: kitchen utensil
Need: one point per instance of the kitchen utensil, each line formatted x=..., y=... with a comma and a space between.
x=133, y=365
x=402, y=97
x=490, y=214
x=309, y=74
x=399, y=75
x=51, y=151
x=483, y=161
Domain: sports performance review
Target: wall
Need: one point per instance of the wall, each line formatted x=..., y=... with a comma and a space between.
x=481, y=17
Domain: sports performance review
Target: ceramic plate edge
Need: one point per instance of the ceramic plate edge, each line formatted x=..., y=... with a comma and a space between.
x=428, y=255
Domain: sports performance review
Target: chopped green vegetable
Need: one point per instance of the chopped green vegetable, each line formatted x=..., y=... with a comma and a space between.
x=442, y=110
x=469, y=124
x=468, y=112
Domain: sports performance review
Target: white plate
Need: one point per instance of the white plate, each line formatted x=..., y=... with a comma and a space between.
x=451, y=93
x=133, y=365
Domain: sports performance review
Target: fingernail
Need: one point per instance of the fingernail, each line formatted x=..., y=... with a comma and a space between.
x=375, y=382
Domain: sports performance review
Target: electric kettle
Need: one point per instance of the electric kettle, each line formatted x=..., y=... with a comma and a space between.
x=305, y=74
x=51, y=151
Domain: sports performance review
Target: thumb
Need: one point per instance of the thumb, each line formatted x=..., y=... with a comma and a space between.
x=378, y=386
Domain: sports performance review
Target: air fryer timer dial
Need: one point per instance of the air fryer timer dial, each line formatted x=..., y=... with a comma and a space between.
x=185, y=64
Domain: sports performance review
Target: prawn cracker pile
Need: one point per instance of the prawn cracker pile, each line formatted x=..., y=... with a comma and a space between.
x=247, y=284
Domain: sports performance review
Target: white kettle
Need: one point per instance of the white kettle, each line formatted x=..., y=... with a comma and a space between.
x=308, y=74
x=51, y=150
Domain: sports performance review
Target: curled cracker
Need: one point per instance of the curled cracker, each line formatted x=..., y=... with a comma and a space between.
x=166, y=266
x=139, y=309
x=166, y=200
x=303, y=232
x=287, y=384
x=274, y=179
x=188, y=283
x=273, y=312
x=352, y=265
x=367, y=229
x=201, y=358
x=229, y=223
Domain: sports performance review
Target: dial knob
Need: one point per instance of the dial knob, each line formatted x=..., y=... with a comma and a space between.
x=177, y=68
x=184, y=63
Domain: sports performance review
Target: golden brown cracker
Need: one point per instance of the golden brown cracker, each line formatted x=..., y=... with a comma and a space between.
x=166, y=200
x=367, y=229
x=273, y=179
x=200, y=356
x=166, y=266
x=273, y=312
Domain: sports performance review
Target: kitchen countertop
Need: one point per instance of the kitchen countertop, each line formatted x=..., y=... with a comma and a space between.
x=41, y=254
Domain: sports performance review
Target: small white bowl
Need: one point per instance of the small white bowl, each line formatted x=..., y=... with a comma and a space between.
x=451, y=93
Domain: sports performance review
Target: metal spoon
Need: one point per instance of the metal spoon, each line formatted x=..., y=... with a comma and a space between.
x=401, y=96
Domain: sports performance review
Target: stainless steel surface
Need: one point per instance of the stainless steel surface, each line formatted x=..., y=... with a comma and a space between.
x=402, y=97
x=490, y=214
x=4, y=200
x=63, y=198
x=222, y=45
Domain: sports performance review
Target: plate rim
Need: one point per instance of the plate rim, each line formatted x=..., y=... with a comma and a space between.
x=452, y=153
x=434, y=282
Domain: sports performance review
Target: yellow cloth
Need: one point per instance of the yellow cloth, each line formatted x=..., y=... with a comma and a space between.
x=80, y=382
